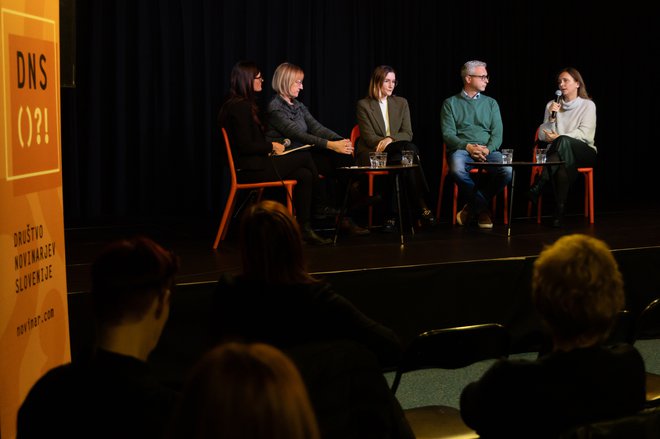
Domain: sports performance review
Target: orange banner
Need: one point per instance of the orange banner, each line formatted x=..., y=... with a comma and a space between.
x=34, y=324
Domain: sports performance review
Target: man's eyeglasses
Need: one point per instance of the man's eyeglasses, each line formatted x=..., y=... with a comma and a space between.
x=483, y=77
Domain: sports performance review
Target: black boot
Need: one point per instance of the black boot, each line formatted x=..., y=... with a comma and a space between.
x=536, y=189
x=311, y=238
x=558, y=219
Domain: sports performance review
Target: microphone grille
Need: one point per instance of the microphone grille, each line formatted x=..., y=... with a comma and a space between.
x=558, y=93
x=286, y=143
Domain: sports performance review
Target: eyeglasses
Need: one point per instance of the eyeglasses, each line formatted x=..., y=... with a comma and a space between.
x=483, y=77
x=299, y=82
x=259, y=78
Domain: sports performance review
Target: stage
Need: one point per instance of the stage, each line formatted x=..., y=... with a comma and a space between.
x=446, y=276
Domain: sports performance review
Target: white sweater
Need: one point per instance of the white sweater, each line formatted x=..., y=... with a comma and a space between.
x=576, y=119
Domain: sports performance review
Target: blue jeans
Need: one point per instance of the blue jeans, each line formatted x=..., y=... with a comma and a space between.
x=478, y=198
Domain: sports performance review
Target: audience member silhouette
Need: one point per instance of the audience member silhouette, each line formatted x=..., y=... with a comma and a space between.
x=112, y=393
x=275, y=300
x=244, y=391
x=577, y=290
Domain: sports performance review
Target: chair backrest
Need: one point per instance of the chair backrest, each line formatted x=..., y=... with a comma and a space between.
x=230, y=157
x=454, y=348
x=348, y=390
x=623, y=330
x=355, y=133
x=536, y=145
x=648, y=322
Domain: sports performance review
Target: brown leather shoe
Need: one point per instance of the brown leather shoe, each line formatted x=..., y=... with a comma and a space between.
x=349, y=226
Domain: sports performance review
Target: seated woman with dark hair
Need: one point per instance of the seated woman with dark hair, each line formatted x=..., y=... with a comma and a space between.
x=259, y=159
x=275, y=300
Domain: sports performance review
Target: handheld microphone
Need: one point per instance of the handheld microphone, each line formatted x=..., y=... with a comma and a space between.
x=286, y=143
x=557, y=97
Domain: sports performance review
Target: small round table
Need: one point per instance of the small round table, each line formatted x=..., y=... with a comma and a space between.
x=355, y=171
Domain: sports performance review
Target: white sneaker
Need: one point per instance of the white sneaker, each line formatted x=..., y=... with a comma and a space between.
x=484, y=221
x=463, y=216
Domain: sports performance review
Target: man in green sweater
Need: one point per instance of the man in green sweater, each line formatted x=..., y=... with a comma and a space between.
x=472, y=131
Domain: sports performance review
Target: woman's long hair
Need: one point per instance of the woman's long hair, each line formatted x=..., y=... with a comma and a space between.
x=241, y=88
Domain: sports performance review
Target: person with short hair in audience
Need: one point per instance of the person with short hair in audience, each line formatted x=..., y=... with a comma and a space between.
x=113, y=393
x=577, y=289
x=244, y=391
x=275, y=300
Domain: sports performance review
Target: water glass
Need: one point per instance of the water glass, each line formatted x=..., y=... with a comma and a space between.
x=541, y=155
x=382, y=159
x=407, y=158
x=373, y=159
x=507, y=155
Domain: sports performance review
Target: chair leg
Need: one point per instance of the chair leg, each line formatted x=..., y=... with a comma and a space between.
x=454, y=210
x=371, y=193
x=505, y=205
x=589, y=195
x=224, y=222
x=442, y=188
x=289, y=198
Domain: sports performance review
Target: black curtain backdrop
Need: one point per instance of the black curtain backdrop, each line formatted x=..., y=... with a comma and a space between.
x=139, y=132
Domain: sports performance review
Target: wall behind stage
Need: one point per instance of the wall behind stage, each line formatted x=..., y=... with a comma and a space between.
x=140, y=133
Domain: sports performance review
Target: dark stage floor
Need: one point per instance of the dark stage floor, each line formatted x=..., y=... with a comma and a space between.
x=448, y=276
x=192, y=241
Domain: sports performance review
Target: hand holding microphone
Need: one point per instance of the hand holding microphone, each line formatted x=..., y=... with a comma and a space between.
x=557, y=97
x=278, y=148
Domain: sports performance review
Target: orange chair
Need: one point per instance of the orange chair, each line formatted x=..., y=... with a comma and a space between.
x=588, y=187
x=236, y=186
x=443, y=175
x=355, y=133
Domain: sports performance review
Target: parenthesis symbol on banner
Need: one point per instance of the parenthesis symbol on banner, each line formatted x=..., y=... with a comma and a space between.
x=20, y=132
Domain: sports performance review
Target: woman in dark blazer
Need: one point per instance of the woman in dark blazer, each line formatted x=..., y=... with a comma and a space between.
x=384, y=121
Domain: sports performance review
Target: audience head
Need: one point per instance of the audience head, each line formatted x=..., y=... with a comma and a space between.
x=377, y=79
x=578, y=290
x=245, y=391
x=577, y=77
x=128, y=277
x=271, y=245
x=288, y=80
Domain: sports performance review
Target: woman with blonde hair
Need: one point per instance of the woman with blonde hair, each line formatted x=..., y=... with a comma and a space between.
x=288, y=118
x=245, y=391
